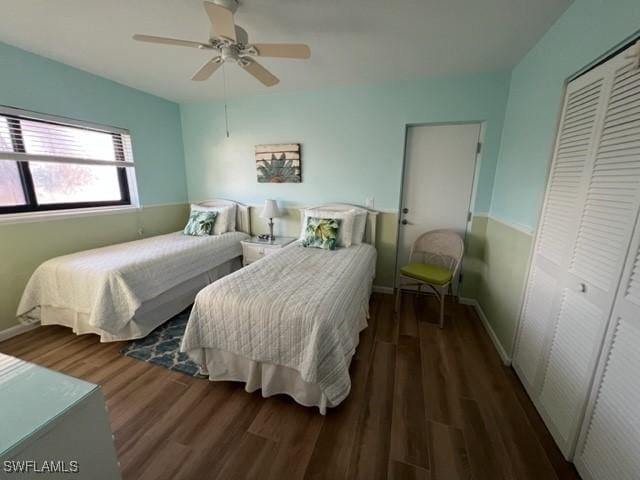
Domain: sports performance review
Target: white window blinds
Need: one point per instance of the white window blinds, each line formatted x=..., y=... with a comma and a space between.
x=34, y=137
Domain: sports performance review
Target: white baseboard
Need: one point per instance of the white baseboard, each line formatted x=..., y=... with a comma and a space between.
x=383, y=289
x=10, y=332
x=506, y=359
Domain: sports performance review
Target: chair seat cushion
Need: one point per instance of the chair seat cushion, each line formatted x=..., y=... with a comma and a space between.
x=425, y=272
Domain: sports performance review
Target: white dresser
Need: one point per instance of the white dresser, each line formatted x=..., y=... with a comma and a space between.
x=52, y=426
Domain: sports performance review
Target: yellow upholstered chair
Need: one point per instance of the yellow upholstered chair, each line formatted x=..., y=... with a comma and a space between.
x=434, y=262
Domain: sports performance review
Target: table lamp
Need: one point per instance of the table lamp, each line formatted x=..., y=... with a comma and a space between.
x=270, y=211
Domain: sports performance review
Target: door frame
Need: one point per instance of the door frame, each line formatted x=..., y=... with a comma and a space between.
x=474, y=186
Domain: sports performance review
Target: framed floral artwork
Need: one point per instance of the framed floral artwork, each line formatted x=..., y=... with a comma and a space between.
x=278, y=163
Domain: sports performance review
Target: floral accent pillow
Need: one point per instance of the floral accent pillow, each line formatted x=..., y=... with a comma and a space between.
x=200, y=223
x=321, y=233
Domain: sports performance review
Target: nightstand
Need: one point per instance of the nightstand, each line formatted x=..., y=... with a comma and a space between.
x=255, y=249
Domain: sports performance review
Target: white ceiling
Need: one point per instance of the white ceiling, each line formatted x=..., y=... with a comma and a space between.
x=352, y=41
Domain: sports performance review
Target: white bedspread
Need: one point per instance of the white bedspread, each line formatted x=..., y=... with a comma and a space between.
x=110, y=283
x=301, y=308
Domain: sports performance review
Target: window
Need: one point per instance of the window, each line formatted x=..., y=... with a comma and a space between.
x=50, y=163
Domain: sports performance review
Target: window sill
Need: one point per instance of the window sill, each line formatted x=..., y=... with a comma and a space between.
x=30, y=217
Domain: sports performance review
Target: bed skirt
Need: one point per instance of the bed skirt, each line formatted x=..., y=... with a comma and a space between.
x=150, y=315
x=269, y=378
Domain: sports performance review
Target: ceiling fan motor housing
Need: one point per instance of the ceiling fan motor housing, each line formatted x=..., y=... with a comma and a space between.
x=232, y=43
x=230, y=53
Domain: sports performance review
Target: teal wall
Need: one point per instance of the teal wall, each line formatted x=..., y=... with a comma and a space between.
x=352, y=138
x=588, y=29
x=36, y=83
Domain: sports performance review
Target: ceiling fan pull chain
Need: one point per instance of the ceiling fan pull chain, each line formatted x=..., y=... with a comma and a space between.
x=224, y=92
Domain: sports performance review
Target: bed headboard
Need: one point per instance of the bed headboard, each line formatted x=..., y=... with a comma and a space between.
x=243, y=221
x=370, y=226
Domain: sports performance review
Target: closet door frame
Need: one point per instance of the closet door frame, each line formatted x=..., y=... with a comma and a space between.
x=536, y=231
x=534, y=388
x=575, y=433
x=536, y=238
x=617, y=315
x=566, y=281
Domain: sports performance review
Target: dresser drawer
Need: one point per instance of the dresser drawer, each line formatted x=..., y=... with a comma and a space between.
x=253, y=250
x=251, y=254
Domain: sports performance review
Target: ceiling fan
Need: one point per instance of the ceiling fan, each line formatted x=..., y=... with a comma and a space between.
x=232, y=45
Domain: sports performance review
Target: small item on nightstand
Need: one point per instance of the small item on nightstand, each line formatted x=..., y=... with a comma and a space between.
x=270, y=211
x=264, y=236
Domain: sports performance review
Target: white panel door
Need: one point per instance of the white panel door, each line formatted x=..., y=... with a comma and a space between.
x=570, y=171
x=609, y=446
x=438, y=181
x=596, y=262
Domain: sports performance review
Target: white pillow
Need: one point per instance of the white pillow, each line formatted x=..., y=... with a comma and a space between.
x=359, y=227
x=345, y=233
x=225, y=221
x=232, y=218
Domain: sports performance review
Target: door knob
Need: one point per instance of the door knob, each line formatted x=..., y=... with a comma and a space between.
x=582, y=288
x=404, y=222
x=405, y=210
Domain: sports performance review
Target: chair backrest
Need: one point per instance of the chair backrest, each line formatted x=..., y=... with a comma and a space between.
x=439, y=247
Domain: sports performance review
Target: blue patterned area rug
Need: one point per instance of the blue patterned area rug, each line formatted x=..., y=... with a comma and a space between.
x=162, y=347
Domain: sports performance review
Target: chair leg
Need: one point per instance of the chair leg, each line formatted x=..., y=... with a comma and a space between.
x=442, y=297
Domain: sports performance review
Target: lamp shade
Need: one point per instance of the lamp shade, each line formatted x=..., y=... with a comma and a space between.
x=270, y=209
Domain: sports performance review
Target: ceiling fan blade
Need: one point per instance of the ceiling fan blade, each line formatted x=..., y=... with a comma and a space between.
x=261, y=73
x=207, y=69
x=221, y=20
x=169, y=41
x=283, y=50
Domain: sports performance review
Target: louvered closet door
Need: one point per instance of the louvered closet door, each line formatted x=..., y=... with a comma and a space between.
x=609, y=446
x=570, y=170
x=589, y=287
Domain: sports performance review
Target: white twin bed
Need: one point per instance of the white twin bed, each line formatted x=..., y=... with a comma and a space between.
x=288, y=323
x=124, y=291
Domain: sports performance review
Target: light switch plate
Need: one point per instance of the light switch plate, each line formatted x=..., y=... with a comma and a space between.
x=369, y=202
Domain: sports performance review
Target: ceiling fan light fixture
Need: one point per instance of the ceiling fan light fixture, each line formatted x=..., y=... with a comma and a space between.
x=232, y=43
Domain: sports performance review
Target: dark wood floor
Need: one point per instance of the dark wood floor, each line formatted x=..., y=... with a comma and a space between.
x=425, y=404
